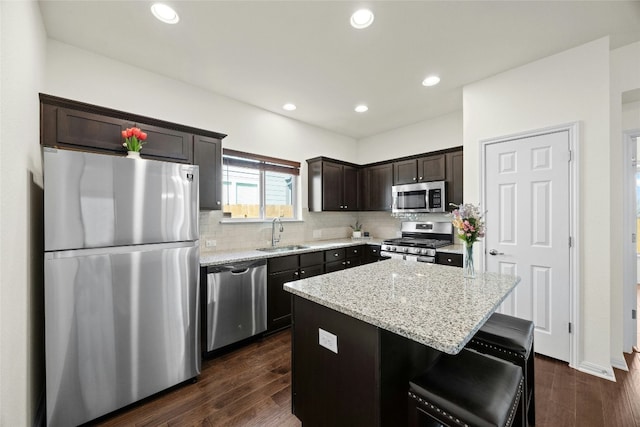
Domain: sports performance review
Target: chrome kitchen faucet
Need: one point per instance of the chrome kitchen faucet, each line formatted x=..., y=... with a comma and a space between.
x=275, y=241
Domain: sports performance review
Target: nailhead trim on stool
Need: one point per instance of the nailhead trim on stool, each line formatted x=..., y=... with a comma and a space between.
x=518, y=334
x=468, y=390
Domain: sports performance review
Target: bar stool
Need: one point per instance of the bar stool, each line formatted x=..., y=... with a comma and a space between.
x=469, y=389
x=510, y=338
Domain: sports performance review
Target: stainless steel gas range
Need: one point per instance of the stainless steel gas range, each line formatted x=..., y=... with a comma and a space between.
x=419, y=241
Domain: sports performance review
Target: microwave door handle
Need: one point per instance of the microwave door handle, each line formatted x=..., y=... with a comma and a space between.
x=426, y=201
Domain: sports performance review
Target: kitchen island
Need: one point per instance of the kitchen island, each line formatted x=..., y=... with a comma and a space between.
x=360, y=335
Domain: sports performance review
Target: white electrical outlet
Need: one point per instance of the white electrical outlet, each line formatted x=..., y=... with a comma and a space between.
x=317, y=234
x=328, y=340
x=210, y=243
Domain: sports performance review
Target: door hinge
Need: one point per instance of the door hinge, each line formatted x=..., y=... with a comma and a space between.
x=633, y=237
x=570, y=155
x=634, y=162
x=570, y=242
x=569, y=327
x=633, y=314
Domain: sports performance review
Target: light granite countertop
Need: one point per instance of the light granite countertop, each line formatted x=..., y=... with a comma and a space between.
x=220, y=258
x=429, y=303
x=455, y=248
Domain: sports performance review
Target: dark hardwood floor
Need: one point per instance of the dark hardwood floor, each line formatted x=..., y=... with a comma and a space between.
x=252, y=387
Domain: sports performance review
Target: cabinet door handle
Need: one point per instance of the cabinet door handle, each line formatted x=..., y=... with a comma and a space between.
x=341, y=207
x=301, y=271
x=335, y=255
x=414, y=178
x=296, y=273
x=375, y=251
x=218, y=202
x=345, y=206
x=420, y=178
x=449, y=260
x=344, y=263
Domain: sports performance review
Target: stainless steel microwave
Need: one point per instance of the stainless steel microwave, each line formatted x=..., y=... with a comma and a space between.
x=420, y=197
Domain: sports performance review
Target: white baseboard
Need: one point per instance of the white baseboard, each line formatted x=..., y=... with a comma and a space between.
x=619, y=363
x=597, y=370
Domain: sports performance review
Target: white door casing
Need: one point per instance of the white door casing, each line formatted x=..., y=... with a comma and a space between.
x=528, y=216
x=630, y=257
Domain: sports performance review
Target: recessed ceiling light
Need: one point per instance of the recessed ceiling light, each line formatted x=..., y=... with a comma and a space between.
x=165, y=13
x=289, y=106
x=361, y=108
x=362, y=19
x=431, y=81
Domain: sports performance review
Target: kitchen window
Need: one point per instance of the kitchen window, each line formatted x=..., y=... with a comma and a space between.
x=256, y=187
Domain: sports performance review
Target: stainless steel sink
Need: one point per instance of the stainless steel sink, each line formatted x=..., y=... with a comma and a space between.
x=283, y=248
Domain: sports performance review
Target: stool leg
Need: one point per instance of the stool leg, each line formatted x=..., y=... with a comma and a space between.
x=531, y=384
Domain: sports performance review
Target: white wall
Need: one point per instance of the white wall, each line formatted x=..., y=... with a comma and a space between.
x=625, y=76
x=429, y=135
x=631, y=115
x=22, y=55
x=570, y=86
x=83, y=76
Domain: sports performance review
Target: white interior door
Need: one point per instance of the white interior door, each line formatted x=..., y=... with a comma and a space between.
x=528, y=228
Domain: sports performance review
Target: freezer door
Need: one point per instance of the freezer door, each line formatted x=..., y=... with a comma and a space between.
x=94, y=200
x=120, y=326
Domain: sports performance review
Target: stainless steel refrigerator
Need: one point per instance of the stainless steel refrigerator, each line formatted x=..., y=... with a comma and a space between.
x=121, y=281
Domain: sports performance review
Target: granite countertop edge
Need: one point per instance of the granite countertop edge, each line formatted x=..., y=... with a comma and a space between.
x=448, y=341
x=254, y=254
x=226, y=257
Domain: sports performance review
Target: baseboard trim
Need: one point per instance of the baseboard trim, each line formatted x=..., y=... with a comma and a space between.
x=597, y=370
x=619, y=363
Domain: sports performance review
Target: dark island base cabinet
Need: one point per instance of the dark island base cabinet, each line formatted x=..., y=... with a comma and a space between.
x=364, y=383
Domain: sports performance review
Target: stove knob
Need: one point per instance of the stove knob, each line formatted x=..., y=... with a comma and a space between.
x=406, y=250
x=423, y=251
x=393, y=248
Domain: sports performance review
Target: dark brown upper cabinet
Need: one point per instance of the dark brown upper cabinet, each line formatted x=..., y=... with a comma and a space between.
x=422, y=169
x=377, y=182
x=207, y=154
x=75, y=125
x=77, y=129
x=455, y=177
x=166, y=144
x=333, y=185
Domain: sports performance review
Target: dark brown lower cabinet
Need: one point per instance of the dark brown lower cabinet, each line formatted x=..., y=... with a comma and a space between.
x=445, y=258
x=285, y=269
x=363, y=384
x=289, y=268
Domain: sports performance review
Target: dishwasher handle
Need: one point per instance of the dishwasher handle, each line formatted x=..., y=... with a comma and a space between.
x=236, y=268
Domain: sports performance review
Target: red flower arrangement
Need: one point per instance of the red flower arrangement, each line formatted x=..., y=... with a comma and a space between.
x=134, y=139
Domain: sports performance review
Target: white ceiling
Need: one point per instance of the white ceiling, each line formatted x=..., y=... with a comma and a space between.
x=267, y=53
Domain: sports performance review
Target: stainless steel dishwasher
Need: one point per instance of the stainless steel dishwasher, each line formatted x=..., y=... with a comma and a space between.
x=236, y=302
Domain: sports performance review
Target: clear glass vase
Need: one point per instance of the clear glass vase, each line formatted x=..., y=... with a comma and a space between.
x=468, y=268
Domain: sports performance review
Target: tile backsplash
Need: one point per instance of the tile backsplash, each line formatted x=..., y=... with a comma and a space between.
x=315, y=226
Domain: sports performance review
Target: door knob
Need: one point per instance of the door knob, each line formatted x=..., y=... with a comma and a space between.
x=494, y=252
